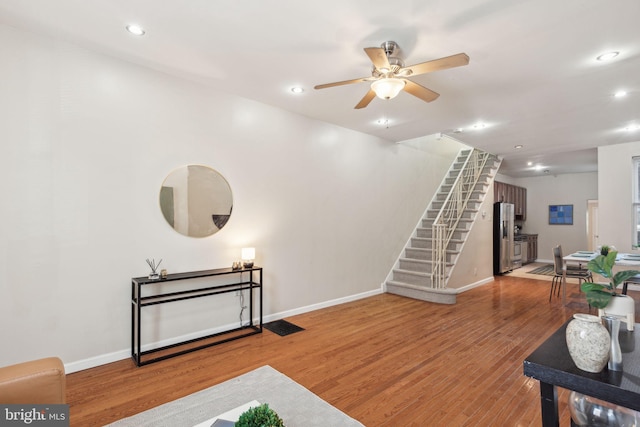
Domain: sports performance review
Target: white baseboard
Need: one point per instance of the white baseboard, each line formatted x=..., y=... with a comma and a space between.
x=475, y=284
x=313, y=307
x=103, y=359
x=92, y=362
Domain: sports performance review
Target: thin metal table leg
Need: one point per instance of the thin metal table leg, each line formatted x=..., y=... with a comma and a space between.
x=261, y=287
x=251, y=298
x=139, y=325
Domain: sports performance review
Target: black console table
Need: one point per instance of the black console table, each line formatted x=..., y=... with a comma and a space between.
x=552, y=365
x=236, y=282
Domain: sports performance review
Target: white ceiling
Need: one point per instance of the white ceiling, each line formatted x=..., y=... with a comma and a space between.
x=532, y=78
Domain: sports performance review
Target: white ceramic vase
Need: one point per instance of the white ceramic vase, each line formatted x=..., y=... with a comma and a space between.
x=588, y=342
x=623, y=306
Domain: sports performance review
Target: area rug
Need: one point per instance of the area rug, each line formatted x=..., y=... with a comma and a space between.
x=282, y=327
x=296, y=405
x=545, y=270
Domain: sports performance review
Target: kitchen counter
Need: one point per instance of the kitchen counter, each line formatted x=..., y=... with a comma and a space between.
x=531, y=251
x=522, y=236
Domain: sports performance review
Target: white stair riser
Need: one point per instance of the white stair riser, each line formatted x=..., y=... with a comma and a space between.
x=417, y=243
x=417, y=265
x=426, y=233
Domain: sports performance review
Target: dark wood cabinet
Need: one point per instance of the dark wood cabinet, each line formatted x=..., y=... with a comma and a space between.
x=532, y=247
x=503, y=192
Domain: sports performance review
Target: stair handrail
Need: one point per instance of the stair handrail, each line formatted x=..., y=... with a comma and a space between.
x=453, y=207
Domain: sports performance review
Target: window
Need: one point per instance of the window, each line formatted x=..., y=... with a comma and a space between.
x=636, y=202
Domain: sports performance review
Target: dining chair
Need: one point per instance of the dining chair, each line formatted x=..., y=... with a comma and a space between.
x=569, y=271
x=634, y=279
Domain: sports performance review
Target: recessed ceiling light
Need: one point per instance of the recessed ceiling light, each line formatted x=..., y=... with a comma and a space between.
x=383, y=122
x=519, y=146
x=607, y=56
x=135, y=30
x=620, y=94
x=538, y=167
x=632, y=128
x=297, y=89
x=479, y=126
x=529, y=163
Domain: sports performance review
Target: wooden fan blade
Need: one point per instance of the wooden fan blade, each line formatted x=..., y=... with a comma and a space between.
x=421, y=92
x=379, y=58
x=366, y=100
x=438, y=64
x=345, y=82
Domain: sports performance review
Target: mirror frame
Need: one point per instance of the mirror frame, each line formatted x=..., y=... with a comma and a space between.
x=196, y=200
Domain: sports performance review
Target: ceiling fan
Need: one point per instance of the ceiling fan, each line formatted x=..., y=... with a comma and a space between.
x=389, y=75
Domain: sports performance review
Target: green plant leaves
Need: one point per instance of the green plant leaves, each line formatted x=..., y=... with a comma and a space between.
x=588, y=287
x=622, y=276
x=597, y=298
x=598, y=295
x=260, y=416
x=603, y=265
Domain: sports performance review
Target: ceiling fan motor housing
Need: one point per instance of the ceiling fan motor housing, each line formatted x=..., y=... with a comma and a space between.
x=389, y=47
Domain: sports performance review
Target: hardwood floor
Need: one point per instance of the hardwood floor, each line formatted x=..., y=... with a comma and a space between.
x=387, y=361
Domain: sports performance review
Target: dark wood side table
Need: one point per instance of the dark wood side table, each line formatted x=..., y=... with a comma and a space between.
x=552, y=365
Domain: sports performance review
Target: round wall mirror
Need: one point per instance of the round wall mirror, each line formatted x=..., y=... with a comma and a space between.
x=196, y=200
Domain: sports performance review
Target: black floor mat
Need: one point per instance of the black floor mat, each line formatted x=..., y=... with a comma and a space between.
x=282, y=327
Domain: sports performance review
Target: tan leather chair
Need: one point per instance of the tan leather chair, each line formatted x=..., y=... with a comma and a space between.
x=37, y=381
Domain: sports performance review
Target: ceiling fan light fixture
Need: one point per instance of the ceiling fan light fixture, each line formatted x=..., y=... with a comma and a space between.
x=387, y=88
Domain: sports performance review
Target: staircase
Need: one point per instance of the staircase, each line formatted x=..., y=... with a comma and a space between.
x=432, y=251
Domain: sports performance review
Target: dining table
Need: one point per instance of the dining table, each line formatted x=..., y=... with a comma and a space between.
x=624, y=261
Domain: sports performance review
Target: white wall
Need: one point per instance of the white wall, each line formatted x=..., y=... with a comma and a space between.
x=506, y=179
x=86, y=143
x=566, y=189
x=615, y=169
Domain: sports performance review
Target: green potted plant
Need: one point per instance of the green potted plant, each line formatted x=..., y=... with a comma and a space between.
x=599, y=295
x=260, y=416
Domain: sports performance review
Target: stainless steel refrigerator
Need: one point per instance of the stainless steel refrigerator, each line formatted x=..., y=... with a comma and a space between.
x=503, y=226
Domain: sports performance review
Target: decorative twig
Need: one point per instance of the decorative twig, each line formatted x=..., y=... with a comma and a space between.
x=153, y=264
